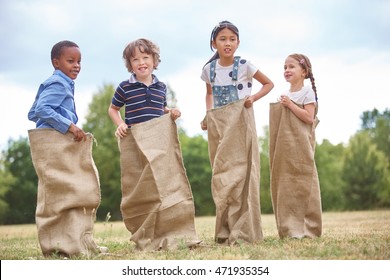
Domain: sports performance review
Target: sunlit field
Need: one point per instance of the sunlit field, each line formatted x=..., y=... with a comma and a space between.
x=361, y=235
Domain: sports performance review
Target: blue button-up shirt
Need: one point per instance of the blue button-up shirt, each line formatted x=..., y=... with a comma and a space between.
x=54, y=105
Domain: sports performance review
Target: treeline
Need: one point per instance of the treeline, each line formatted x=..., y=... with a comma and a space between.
x=353, y=176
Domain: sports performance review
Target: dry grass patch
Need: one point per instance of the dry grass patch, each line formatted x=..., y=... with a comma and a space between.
x=359, y=235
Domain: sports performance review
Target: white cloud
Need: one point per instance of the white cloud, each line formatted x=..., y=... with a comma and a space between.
x=47, y=15
x=350, y=70
x=15, y=101
x=190, y=92
x=349, y=84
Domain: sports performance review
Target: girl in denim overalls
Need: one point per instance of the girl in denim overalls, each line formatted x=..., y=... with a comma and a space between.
x=229, y=78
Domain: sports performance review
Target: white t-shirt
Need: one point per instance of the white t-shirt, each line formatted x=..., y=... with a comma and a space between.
x=302, y=97
x=223, y=76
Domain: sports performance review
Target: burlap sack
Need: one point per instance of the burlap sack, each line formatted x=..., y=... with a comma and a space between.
x=235, y=161
x=295, y=188
x=157, y=204
x=68, y=192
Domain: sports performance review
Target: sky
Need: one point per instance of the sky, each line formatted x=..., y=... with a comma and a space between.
x=347, y=42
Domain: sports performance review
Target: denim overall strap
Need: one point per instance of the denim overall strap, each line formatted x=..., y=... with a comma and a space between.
x=224, y=94
x=235, y=68
x=212, y=71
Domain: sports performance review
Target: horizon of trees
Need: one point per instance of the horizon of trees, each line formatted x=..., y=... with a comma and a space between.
x=353, y=176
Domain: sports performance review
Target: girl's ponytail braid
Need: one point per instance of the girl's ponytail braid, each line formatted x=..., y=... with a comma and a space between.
x=313, y=84
x=306, y=64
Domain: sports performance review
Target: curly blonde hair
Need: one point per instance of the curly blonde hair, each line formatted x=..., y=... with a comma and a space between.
x=144, y=46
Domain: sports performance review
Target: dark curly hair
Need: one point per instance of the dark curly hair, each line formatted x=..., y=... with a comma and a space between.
x=57, y=49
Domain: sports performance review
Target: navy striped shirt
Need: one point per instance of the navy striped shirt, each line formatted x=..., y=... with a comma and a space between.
x=142, y=103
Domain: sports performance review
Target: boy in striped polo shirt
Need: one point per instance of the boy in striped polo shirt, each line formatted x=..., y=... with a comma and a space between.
x=143, y=95
x=157, y=204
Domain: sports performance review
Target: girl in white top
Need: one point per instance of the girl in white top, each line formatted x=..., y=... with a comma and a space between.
x=293, y=171
x=225, y=40
x=229, y=78
x=297, y=68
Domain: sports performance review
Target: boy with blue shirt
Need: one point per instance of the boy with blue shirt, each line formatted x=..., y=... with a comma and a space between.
x=68, y=180
x=54, y=104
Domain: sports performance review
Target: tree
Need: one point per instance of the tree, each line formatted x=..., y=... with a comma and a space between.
x=329, y=162
x=366, y=173
x=265, y=191
x=197, y=164
x=171, y=97
x=23, y=183
x=6, y=180
x=106, y=152
x=378, y=126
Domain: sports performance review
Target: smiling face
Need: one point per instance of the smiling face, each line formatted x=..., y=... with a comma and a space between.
x=293, y=71
x=226, y=44
x=69, y=62
x=142, y=65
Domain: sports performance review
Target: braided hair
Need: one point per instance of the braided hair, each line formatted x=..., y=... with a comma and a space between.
x=220, y=26
x=306, y=65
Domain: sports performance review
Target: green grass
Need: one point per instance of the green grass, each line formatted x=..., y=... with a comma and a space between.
x=363, y=235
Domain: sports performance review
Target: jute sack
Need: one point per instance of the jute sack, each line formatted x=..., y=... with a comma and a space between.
x=157, y=204
x=68, y=192
x=295, y=188
x=235, y=162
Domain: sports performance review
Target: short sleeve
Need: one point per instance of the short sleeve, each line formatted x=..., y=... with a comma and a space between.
x=206, y=74
x=118, y=99
x=251, y=70
x=310, y=96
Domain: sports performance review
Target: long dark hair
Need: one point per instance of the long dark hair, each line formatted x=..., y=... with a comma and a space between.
x=220, y=26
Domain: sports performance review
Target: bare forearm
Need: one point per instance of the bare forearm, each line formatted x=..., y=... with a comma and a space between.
x=115, y=116
x=265, y=89
x=267, y=85
x=304, y=115
x=209, y=101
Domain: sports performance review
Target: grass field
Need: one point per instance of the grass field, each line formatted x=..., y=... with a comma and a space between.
x=363, y=235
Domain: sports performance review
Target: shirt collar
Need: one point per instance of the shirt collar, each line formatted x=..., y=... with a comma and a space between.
x=61, y=74
x=133, y=79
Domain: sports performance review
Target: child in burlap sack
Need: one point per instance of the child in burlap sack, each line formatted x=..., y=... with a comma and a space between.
x=232, y=137
x=295, y=188
x=157, y=204
x=68, y=186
